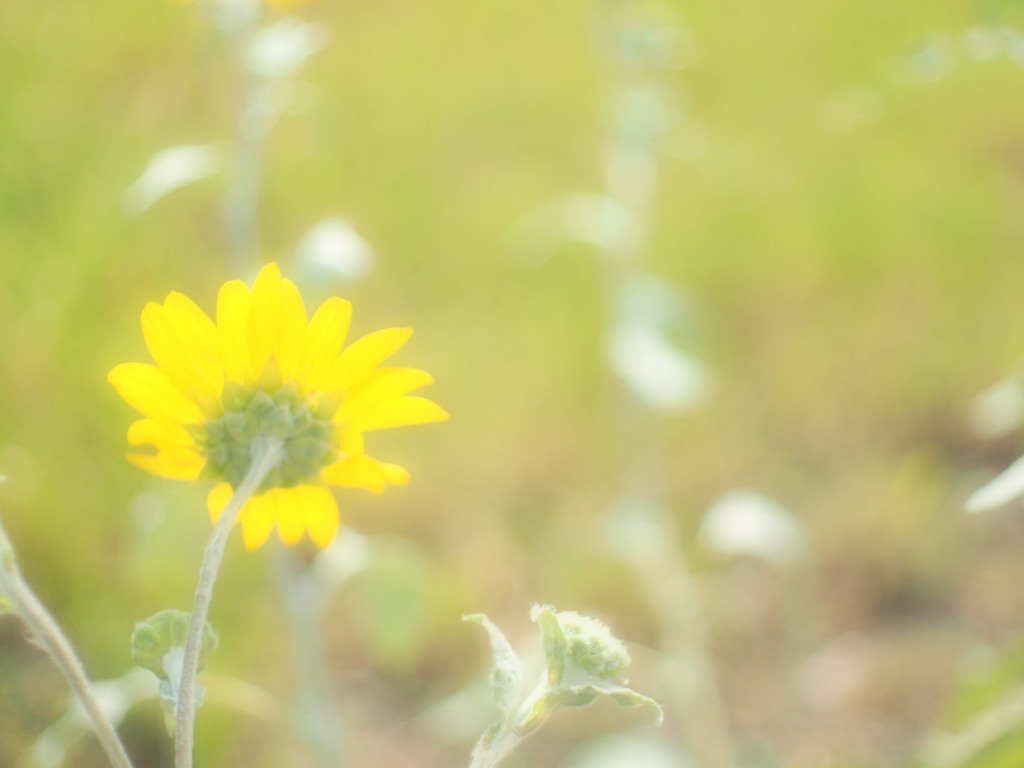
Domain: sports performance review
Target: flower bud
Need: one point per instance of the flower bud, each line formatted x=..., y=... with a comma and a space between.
x=579, y=646
x=158, y=644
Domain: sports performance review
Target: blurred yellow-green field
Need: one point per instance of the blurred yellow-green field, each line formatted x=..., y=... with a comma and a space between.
x=837, y=195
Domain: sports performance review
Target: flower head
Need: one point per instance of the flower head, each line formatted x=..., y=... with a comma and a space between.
x=264, y=370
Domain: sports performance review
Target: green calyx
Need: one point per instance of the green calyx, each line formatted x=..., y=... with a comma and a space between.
x=306, y=431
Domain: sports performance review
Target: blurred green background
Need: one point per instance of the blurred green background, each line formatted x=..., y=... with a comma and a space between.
x=840, y=194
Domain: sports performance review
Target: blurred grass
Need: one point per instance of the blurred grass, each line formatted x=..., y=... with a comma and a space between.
x=861, y=287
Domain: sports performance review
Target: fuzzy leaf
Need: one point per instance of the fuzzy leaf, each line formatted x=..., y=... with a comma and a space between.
x=555, y=643
x=627, y=697
x=1004, y=489
x=171, y=169
x=507, y=676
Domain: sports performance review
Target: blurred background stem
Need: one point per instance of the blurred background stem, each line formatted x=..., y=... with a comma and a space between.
x=245, y=171
x=316, y=720
x=630, y=166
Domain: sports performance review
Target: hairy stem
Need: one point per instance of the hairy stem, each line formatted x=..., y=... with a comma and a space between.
x=48, y=635
x=266, y=454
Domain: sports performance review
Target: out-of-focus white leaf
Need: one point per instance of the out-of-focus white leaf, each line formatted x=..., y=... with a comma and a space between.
x=595, y=219
x=1013, y=44
x=670, y=47
x=932, y=62
x=282, y=49
x=635, y=750
x=343, y=558
x=171, y=169
x=1004, y=489
x=646, y=110
x=115, y=698
x=650, y=301
x=635, y=529
x=843, y=114
x=231, y=16
x=598, y=220
x=982, y=43
x=333, y=250
x=745, y=522
x=999, y=409
x=656, y=372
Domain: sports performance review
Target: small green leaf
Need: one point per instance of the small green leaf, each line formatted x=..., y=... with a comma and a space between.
x=553, y=639
x=507, y=675
x=627, y=697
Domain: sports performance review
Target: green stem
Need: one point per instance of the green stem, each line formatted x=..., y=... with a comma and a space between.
x=48, y=635
x=497, y=748
x=504, y=736
x=266, y=454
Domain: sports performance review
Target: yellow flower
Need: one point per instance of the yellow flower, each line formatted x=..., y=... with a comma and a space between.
x=264, y=371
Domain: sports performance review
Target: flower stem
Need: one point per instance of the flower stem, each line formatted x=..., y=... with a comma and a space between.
x=48, y=635
x=266, y=454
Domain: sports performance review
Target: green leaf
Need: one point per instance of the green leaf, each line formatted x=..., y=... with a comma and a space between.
x=553, y=639
x=507, y=675
x=624, y=695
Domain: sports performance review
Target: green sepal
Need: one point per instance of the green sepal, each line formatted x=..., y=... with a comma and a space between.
x=241, y=426
x=277, y=422
x=306, y=449
x=288, y=395
x=249, y=414
x=270, y=379
x=235, y=396
x=261, y=404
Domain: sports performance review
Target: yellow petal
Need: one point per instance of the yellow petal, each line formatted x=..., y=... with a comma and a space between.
x=291, y=514
x=164, y=345
x=321, y=512
x=291, y=328
x=218, y=498
x=351, y=443
x=258, y=520
x=364, y=472
x=398, y=412
x=174, y=463
x=182, y=340
x=199, y=336
x=263, y=317
x=323, y=341
x=394, y=474
x=354, y=472
x=159, y=433
x=152, y=392
x=358, y=360
x=381, y=385
x=233, y=327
